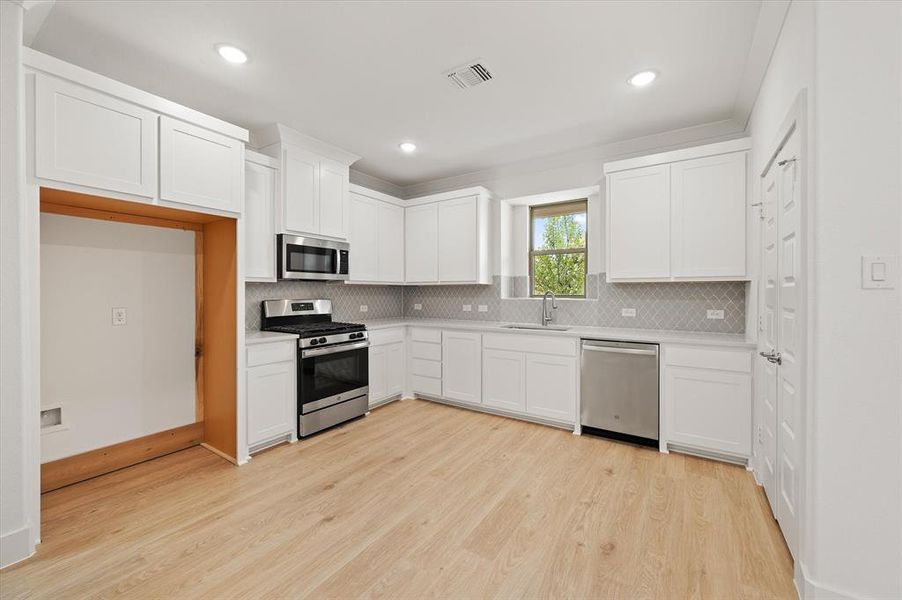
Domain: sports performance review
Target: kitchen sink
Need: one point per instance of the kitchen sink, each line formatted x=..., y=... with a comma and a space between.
x=535, y=327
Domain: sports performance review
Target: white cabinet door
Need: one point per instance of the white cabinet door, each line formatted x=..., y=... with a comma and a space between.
x=270, y=401
x=364, y=238
x=394, y=369
x=91, y=139
x=378, y=371
x=200, y=167
x=504, y=379
x=333, y=199
x=708, y=207
x=458, y=243
x=462, y=366
x=259, y=222
x=391, y=243
x=709, y=410
x=421, y=246
x=638, y=223
x=300, y=191
x=551, y=387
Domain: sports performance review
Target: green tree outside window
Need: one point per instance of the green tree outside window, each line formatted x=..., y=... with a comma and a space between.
x=557, y=255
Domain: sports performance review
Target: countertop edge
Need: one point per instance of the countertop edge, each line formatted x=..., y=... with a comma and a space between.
x=576, y=331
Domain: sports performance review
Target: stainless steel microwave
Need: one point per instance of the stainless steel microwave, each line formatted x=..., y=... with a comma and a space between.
x=311, y=258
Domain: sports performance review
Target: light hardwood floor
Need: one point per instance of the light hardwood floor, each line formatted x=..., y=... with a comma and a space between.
x=416, y=500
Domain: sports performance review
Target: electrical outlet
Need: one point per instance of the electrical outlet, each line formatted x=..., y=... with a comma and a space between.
x=120, y=316
x=760, y=434
x=418, y=306
x=483, y=308
x=628, y=312
x=715, y=313
x=467, y=307
x=364, y=308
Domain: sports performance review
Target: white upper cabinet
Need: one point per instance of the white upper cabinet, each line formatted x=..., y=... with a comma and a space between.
x=94, y=135
x=364, y=238
x=421, y=243
x=333, y=198
x=261, y=180
x=678, y=216
x=315, y=182
x=300, y=185
x=391, y=243
x=376, y=235
x=89, y=138
x=458, y=245
x=639, y=217
x=199, y=167
x=447, y=238
x=708, y=205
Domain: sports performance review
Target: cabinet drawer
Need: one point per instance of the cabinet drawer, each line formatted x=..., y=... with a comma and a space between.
x=418, y=334
x=709, y=358
x=539, y=344
x=426, y=385
x=426, y=368
x=265, y=354
x=381, y=337
x=424, y=350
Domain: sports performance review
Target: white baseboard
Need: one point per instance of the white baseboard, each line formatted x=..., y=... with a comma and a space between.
x=809, y=589
x=16, y=546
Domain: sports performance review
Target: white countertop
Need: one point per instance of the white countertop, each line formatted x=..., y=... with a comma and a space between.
x=262, y=337
x=738, y=340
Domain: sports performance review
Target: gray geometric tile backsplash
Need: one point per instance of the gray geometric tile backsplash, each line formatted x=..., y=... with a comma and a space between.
x=677, y=306
x=382, y=301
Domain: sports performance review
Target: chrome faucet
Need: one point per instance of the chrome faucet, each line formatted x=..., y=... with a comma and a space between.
x=546, y=314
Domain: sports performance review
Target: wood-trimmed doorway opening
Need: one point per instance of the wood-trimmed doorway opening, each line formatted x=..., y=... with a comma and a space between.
x=216, y=357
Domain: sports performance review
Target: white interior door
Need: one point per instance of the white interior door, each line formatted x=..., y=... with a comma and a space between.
x=783, y=304
x=767, y=342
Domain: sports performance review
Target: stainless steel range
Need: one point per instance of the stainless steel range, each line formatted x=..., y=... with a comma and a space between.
x=333, y=364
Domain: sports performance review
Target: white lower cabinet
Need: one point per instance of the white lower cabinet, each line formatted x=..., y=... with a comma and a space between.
x=532, y=375
x=551, y=387
x=462, y=366
x=707, y=399
x=271, y=393
x=386, y=364
x=504, y=379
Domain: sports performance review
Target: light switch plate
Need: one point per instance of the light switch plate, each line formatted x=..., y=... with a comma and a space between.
x=467, y=307
x=715, y=313
x=418, y=306
x=879, y=272
x=483, y=308
x=120, y=316
x=627, y=312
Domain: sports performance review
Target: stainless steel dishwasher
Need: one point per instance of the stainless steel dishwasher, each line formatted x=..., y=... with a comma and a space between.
x=619, y=391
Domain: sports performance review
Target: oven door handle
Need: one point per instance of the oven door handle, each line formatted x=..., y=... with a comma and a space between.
x=310, y=352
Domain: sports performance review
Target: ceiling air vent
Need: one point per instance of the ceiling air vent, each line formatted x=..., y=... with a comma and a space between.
x=471, y=74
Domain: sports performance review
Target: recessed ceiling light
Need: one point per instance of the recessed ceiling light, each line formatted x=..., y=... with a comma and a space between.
x=642, y=78
x=407, y=147
x=231, y=54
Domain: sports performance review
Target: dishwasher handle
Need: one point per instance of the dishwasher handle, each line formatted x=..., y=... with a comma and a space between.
x=620, y=350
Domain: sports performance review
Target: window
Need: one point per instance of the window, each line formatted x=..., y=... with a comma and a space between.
x=557, y=249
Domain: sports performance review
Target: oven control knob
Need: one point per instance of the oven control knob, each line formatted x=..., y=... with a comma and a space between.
x=322, y=340
x=314, y=342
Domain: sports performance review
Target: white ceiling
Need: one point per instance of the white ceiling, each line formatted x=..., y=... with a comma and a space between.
x=366, y=75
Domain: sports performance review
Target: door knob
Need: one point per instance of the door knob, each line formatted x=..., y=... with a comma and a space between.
x=773, y=356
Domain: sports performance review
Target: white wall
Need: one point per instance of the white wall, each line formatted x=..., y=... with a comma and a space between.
x=848, y=57
x=115, y=383
x=856, y=450
x=18, y=528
